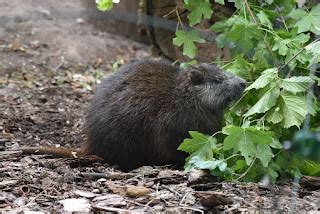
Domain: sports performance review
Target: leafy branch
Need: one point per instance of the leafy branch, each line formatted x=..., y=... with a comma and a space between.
x=273, y=102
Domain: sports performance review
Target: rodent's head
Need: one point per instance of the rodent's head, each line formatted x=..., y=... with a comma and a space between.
x=217, y=88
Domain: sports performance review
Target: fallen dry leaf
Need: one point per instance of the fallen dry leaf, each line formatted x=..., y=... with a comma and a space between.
x=15, y=45
x=109, y=200
x=85, y=194
x=7, y=183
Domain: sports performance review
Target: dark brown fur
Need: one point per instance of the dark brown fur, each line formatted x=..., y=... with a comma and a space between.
x=141, y=114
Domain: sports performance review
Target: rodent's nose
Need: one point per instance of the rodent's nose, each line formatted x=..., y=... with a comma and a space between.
x=243, y=83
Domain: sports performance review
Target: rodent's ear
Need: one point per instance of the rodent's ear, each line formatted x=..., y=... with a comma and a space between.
x=196, y=77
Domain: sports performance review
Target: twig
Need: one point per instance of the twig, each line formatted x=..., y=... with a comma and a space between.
x=116, y=176
x=37, y=196
x=149, y=202
x=191, y=208
x=183, y=198
x=293, y=57
x=112, y=209
x=179, y=19
x=139, y=204
x=171, y=190
x=251, y=14
x=169, y=13
x=284, y=22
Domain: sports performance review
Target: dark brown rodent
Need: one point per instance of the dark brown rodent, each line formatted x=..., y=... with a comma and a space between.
x=141, y=114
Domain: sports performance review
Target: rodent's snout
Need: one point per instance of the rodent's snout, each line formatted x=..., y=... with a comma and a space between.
x=242, y=83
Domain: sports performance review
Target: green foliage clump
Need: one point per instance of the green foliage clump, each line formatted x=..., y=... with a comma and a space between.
x=272, y=47
x=105, y=5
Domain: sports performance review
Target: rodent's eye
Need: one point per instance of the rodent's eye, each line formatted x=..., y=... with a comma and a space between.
x=196, y=77
x=217, y=80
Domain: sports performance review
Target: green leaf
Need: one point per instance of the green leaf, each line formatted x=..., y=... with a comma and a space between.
x=199, y=145
x=270, y=1
x=266, y=102
x=289, y=47
x=245, y=35
x=272, y=174
x=274, y=115
x=315, y=14
x=265, y=78
x=264, y=154
x=318, y=80
x=297, y=14
x=281, y=45
x=262, y=57
x=231, y=142
x=187, y=39
x=294, y=109
x=204, y=152
x=263, y=18
x=301, y=38
x=307, y=21
x=198, y=9
x=239, y=166
x=225, y=24
x=104, y=5
x=240, y=67
x=314, y=49
x=195, y=143
x=219, y=26
x=245, y=140
x=276, y=144
x=241, y=104
x=221, y=41
x=296, y=84
x=211, y=164
x=310, y=168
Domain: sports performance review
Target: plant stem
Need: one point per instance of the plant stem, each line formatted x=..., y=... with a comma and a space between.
x=250, y=12
x=295, y=56
x=244, y=174
x=218, y=132
x=292, y=58
x=284, y=22
x=179, y=19
x=232, y=156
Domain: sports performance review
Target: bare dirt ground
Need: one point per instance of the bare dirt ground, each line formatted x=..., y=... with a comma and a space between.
x=50, y=61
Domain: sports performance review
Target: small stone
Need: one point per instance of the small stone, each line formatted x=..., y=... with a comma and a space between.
x=80, y=21
x=35, y=44
x=45, y=13
x=76, y=205
x=96, y=191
